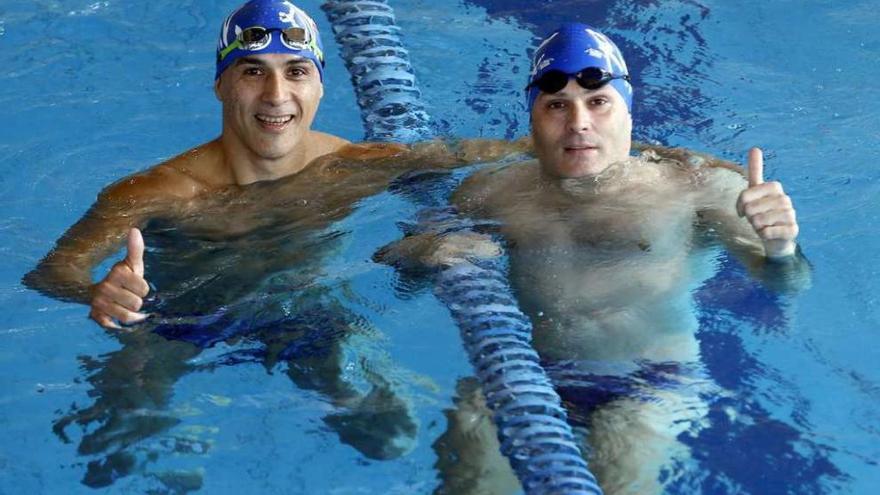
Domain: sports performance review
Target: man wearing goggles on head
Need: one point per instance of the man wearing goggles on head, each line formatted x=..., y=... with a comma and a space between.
x=269, y=79
x=602, y=249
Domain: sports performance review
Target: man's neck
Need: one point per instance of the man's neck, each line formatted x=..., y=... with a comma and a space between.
x=610, y=181
x=247, y=167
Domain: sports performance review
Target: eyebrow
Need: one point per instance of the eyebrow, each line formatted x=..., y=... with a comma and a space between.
x=249, y=60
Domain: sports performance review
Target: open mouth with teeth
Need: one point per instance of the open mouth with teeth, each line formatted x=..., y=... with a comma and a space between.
x=273, y=122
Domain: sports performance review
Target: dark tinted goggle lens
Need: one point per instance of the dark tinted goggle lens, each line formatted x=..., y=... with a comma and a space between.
x=593, y=78
x=589, y=78
x=552, y=82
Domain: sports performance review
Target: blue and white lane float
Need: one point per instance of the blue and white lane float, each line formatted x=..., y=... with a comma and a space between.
x=531, y=422
x=530, y=419
x=383, y=79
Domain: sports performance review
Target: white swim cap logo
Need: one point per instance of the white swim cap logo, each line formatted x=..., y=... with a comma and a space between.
x=607, y=47
x=548, y=40
x=290, y=16
x=540, y=62
x=594, y=53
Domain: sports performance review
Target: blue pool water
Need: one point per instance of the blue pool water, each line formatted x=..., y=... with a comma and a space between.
x=94, y=90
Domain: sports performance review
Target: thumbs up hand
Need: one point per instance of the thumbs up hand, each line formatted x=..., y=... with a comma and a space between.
x=119, y=296
x=768, y=209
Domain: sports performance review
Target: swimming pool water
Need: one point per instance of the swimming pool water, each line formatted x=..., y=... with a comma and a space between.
x=96, y=90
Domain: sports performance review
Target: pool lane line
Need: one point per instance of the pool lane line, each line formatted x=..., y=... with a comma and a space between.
x=528, y=413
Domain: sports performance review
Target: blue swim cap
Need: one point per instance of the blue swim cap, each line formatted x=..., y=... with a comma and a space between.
x=574, y=47
x=273, y=16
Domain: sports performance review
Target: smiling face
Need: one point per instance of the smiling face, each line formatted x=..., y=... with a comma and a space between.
x=269, y=103
x=579, y=132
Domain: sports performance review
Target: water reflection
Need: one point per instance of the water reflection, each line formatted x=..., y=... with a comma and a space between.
x=747, y=447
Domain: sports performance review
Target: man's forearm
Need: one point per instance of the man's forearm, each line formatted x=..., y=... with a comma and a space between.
x=458, y=153
x=66, y=272
x=60, y=279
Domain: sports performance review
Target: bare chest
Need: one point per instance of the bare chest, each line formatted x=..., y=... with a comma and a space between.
x=604, y=229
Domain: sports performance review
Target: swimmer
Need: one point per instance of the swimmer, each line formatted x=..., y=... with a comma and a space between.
x=270, y=80
x=604, y=248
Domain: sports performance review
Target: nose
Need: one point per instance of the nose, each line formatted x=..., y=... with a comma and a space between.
x=273, y=88
x=579, y=117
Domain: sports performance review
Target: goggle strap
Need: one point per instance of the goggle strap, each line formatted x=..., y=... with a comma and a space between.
x=232, y=46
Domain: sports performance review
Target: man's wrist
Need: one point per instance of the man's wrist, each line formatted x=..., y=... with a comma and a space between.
x=780, y=250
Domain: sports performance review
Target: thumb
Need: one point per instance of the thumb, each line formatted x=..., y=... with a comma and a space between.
x=756, y=167
x=135, y=257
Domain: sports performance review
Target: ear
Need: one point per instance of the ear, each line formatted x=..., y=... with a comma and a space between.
x=217, y=88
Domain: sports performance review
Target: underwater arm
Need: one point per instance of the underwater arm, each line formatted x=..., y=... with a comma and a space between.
x=426, y=251
x=446, y=238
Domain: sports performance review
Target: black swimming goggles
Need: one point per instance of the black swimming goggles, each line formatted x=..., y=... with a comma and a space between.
x=589, y=78
x=256, y=38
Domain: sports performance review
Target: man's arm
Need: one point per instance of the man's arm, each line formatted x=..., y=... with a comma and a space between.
x=65, y=273
x=756, y=221
x=398, y=158
x=471, y=151
x=442, y=243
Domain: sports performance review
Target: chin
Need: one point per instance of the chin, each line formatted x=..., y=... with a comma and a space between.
x=272, y=149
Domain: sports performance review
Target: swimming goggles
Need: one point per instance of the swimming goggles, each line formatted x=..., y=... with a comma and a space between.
x=589, y=78
x=257, y=38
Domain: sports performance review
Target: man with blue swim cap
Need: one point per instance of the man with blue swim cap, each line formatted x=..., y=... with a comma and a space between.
x=573, y=63
x=604, y=251
x=269, y=79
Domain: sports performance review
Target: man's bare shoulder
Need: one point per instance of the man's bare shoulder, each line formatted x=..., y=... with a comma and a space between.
x=183, y=177
x=700, y=169
x=322, y=144
x=718, y=186
x=714, y=183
